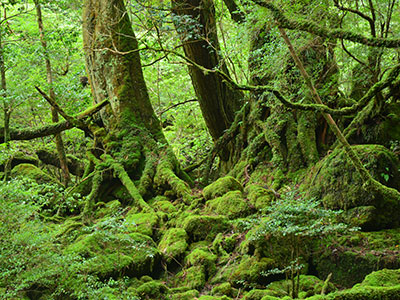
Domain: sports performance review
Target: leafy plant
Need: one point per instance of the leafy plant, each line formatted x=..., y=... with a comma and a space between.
x=297, y=220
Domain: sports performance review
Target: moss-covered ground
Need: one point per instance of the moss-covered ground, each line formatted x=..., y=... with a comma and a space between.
x=229, y=243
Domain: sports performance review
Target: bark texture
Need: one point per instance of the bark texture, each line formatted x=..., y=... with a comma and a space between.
x=198, y=32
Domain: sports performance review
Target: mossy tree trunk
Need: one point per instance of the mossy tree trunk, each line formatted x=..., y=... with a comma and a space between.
x=132, y=142
x=195, y=22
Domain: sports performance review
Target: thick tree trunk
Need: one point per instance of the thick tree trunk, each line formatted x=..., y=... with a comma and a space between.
x=218, y=101
x=134, y=145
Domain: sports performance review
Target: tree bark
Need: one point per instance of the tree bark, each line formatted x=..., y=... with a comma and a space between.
x=218, y=101
x=132, y=139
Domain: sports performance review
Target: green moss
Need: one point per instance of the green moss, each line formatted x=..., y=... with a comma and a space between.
x=357, y=254
x=109, y=209
x=188, y=295
x=192, y=278
x=202, y=257
x=152, y=290
x=339, y=185
x=309, y=286
x=214, y=298
x=244, y=272
x=256, y=294
x=173, y=244
x=205, y=227
x=165, y=206
x=105, y=255
x=383, y=277
x=231, y=205
x=221, y=186
x=144, y=223
x=33, y=172
x=223, y=289
x=259, y=196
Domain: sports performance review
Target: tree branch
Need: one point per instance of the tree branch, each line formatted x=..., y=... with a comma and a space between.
x=30, y=134
x=311, y=27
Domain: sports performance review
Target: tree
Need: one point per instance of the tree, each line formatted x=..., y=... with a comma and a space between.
x=131, y=138
x=196, y=25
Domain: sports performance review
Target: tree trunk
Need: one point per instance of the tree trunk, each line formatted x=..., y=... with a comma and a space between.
x=132, y=140
x=54, y=114
x=198, y=32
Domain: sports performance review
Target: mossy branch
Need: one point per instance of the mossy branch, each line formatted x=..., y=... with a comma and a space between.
x=369, y=182
x=311, y=27
x=130, y=186
x=30, y=134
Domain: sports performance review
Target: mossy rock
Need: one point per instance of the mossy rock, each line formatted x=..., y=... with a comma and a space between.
x=222, y=186
x=351, y=257
x=205, y=227
x=108, y=209
x=202, y=257
x=309, y=286
x=107, y=255
x=188, y=295
x=256, y=294
x=245, y=271
x=336, y=182
x=192, y=278
x=231, y=205
x=173, y=244
x=33, y=172
x=383, y=277
x=144, y=223
x=380, y=285
x=259, y=196
x=224, y=289
x=206, y=297
x=165, y=206
x=152, y=290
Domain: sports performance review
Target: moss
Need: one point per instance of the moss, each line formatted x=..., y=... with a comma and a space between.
x=259, y=196
x=231, y=205
x=269, y=298
x=144, y=223
x=339, y=185
x=221, y=186
x=256, y=294
x=247, y=271
x=202, y=257
x=192, y=278
x=188, y=295
x=109, y=209
x=152, y=290
x=356, y=255
x=33, y=172
x=165, y=206
x=205, y=227
x=223, y=289
x=383, y=277
x=173, y=244
x=309, y=286
x=106, y=255
x=214, y=298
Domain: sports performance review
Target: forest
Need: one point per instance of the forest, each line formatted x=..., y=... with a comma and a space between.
x=200, y=149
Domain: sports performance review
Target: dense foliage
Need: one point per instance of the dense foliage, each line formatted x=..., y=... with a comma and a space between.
x=199, y=149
